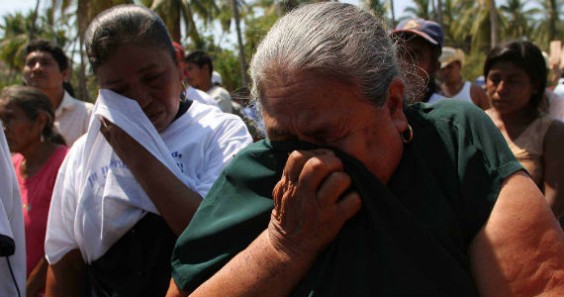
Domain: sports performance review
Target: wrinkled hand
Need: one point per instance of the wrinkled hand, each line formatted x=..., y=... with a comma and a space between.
x=310, y=204
x=125, y=146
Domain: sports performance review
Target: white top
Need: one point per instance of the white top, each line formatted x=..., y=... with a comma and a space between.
x=436, y=98
x=72, y=118
x=464, y=93
x=222, y=97
x=200, y=96
x=96, y=199
x=556, y=101
x=11, y=224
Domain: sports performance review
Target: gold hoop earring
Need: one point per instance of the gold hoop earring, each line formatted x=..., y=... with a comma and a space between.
x=407, y=135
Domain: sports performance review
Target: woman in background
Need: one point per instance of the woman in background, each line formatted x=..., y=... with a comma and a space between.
x=515, y=81
x=38, y=153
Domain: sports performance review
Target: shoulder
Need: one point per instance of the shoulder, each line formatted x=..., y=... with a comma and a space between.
x=452, y=112
x=209, y=115
x=78, y=104
x=554, y=136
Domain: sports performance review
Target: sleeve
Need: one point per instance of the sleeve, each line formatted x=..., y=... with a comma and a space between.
x=236, y=210
x=482, y=159
x=59, y=238
x=229, y=138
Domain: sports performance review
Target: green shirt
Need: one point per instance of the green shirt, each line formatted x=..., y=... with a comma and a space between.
x=411, y=236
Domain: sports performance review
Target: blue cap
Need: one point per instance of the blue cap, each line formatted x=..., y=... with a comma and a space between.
x=429, y=30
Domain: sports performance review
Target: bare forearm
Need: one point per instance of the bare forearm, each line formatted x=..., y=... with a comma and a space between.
x=65, y=278
x=36, y=280
x=259, y=270
x=174, y=200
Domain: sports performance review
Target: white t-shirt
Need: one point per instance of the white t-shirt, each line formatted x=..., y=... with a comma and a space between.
x=200, y=96
x=11, y=224
x=72, y=118
x=201, y=142
x=556, y=102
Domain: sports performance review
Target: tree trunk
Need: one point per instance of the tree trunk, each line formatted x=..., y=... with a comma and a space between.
x=440, y=12
x=393, y=13
x=553, y=20
x=493, y=23
x=33, y=19
x=242, y=58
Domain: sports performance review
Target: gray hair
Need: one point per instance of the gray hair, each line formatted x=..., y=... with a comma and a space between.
x=125, y=24
x=333, y=39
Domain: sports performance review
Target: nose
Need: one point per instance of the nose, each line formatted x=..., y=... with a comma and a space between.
x=36, y=66
x=501, y=86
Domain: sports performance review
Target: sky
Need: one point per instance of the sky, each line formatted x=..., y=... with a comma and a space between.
x=12, y=6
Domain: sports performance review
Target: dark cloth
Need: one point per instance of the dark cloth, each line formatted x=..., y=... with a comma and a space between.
x=411, y=237
x=138, y=264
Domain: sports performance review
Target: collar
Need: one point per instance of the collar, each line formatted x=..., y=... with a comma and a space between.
x=66, y=104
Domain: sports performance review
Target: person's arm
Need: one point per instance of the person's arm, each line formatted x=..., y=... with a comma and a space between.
x=310, y=209
x=36, y=279
x=520, y=250
x=174, y=200
x=479, y=97
x=553, y=162
x=66, y=277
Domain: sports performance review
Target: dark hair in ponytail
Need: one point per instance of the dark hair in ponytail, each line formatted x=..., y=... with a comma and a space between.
x=33, y=102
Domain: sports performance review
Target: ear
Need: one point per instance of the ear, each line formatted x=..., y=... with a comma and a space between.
x=41, y=121
x=66, y=74
x=395, y=104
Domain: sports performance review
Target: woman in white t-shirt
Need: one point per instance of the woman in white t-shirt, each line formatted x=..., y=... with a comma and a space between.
x=131, y=185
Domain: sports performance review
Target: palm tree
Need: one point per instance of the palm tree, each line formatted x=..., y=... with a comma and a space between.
x=549, y=27
x=176, y=12
x=519, y=19
x=16, y=34
x=421, y=10
x=377, y=6
x=481, y=21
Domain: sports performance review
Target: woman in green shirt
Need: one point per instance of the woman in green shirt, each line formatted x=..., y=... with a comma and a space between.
x=354, y=194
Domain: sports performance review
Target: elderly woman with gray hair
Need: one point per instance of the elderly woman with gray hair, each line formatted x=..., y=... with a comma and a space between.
x=355, y=194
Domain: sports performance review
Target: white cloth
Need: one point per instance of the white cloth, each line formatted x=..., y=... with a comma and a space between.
x=222, y=97
x=96, y=199
x=200, y=96
x=11, y=224
x=72, y=118
x=559, y=89
x=556, y=102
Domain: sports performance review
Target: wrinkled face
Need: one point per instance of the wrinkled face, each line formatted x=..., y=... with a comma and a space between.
x=509, y=87
x=21, y=132
x=42, y=71
x=450, y=72
x=147, y=75
x=197, y=76
x=328, y=112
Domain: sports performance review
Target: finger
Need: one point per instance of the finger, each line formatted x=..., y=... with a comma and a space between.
x=348, y=206
x=294, y=165
x=317, y=168
x=333, y=187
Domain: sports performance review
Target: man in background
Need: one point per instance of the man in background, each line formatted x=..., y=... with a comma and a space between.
x=452, y=84
x=46, y=67
x=199, y=70
x=421, y=42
